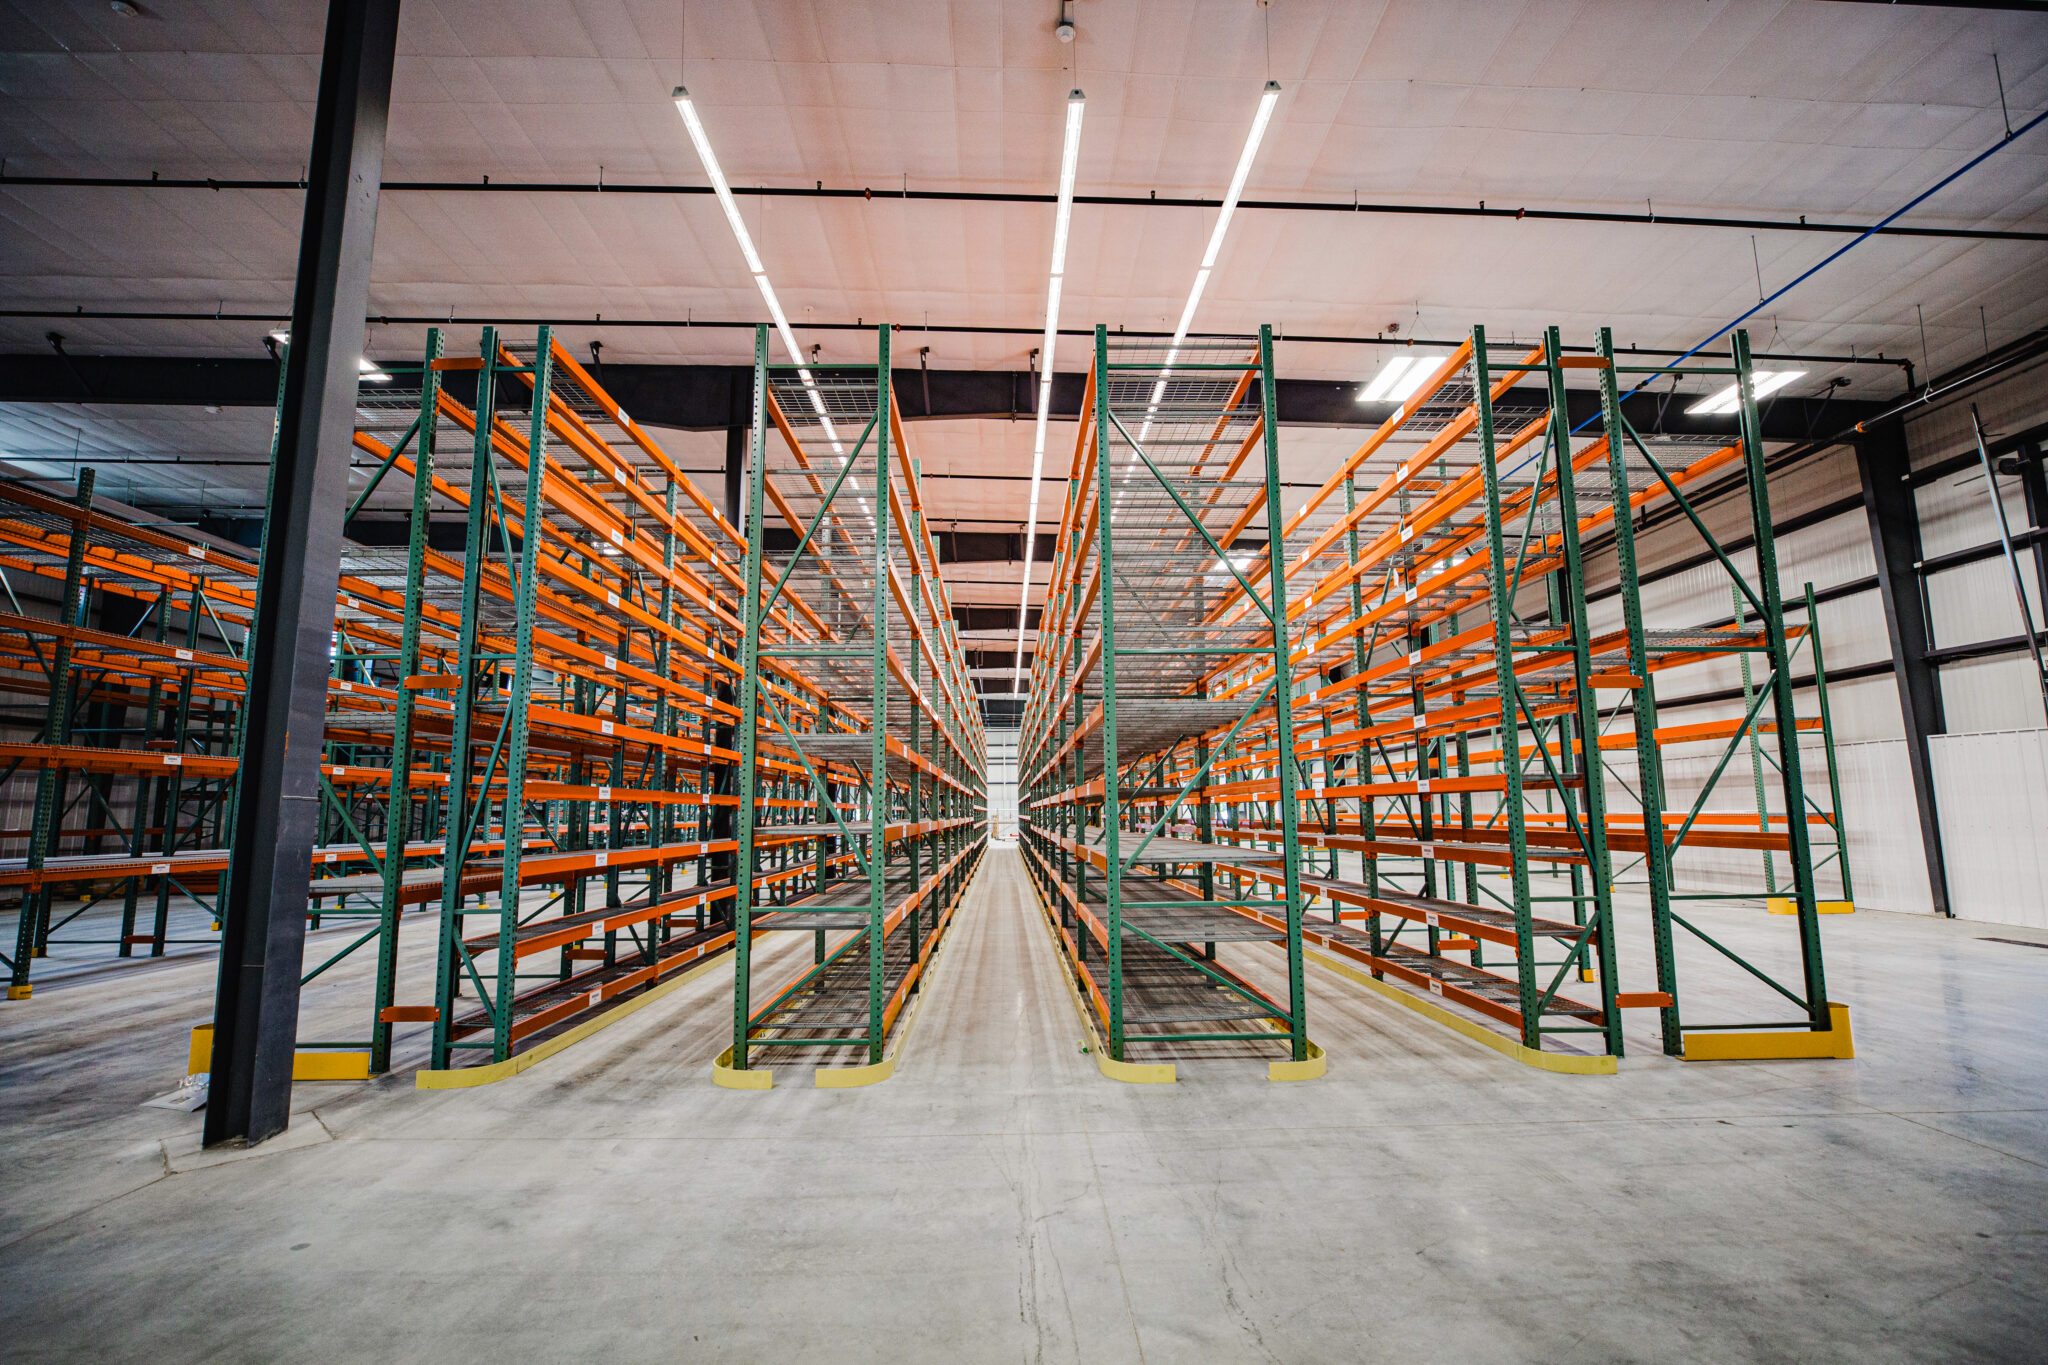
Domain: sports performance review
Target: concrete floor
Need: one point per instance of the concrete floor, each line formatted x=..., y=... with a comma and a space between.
x=998, y=1200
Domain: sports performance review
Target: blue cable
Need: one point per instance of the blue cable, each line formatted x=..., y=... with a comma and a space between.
x=1834, y=256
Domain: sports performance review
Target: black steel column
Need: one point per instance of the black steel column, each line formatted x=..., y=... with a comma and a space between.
x=1895, y=539
x=277, y=800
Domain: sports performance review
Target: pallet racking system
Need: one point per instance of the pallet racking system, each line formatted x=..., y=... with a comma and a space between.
x=571, y=677
x=858, y=721
x=1178, y=458
x=1442, y=680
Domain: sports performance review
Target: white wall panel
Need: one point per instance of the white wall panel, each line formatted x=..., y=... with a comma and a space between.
x=1002, y=784
x=1886, y=861
x=1955, y=513
x=1864, y=709
x=1974, y=602
x=1990, y=694
x=1992, y=789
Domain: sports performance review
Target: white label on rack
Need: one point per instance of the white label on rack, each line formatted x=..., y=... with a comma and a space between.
x=624, y=420
x=1423, y=786
x=351, y=601
x=604, y=793
x=1407, y=533
x=1419, y=721
x=1436, y=988
x=329, y=857
x=196, y=551
x=1432, y=919
x=346, y=685
x=611, y=599
x=1429, y=854
x=1409, y=596
x=159, y=869
x=1402, y=472
x=611, y=661
x=174, y=760
x=185, y=654
x=618, y=539
x=1414, y=657
x=603, y=858
x=604, y=727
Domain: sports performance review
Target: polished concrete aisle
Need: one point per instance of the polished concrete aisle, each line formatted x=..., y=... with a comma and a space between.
x=998, y=1200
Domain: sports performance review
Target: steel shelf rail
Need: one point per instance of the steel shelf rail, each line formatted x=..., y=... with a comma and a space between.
x=856, y=711
x=1178, y=458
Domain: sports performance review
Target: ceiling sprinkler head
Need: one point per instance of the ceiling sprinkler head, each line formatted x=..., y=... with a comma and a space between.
x=124, y=9
x=1065, y=31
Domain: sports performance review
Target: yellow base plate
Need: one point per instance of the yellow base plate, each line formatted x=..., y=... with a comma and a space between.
x=1838, y=1043
x=20, y=992
x=306, y=1066
x=1315, y=1064
x=753, y=1078
x=1134, y=1073
x=1785, y=905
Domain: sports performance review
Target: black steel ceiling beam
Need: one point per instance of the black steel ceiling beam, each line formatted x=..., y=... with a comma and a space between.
x=991, y=618
x=1648, y=217
x=715, y=397
x=1983, y=649
x=79, y=312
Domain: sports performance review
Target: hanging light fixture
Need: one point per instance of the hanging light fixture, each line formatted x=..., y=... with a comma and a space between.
x=1070, y=155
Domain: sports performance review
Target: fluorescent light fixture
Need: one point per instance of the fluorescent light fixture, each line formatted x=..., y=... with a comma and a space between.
x=716, y=174
x=1399, y=378
x=1762, y=383
x=1267, y=100
x=1269, y=97
x=1070, y=156
x=280, y=336
x=370, y=373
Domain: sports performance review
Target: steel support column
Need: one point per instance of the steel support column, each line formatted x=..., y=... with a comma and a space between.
x=1895, y=540
x=277, y=800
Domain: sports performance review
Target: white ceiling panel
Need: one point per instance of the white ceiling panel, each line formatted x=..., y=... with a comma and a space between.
x=1751, y=108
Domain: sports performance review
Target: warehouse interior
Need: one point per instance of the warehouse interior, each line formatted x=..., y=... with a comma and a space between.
x=1366, y=680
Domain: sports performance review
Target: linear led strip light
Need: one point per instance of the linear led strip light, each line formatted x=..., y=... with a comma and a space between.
x=716, y=173
x=1267, y=100
x=1762, y=383
x=1070, y=155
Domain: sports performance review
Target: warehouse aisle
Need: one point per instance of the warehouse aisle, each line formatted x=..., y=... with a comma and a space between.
x=614, y=1204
